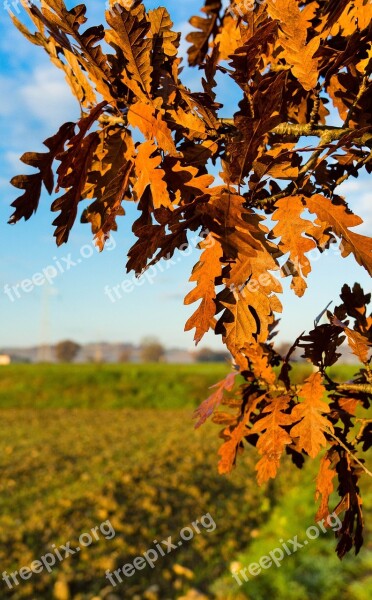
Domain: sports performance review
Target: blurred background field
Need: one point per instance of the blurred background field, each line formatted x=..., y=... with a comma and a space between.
x=121, y=386
x=80, y=444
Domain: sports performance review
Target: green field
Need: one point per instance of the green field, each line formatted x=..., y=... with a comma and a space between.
x=117, y=443
x=120, y=386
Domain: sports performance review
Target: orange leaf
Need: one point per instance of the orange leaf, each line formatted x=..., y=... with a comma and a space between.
x=205, y=273
x=340, y=219
x=359, y=344
x=324, y=485
x=229, y=449
x=290, y=229
x=272, y=442
x=148, y=174
x=310, y=430
x=294, y=25
x=207, y=407
x=153, y=127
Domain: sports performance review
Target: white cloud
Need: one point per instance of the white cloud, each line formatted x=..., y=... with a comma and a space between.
x=352, y=186
x=364, y=210
x=47, y=97
x=359, y=197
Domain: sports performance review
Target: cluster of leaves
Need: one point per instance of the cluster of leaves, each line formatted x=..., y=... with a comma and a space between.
x=278, y=417
x=290, y=59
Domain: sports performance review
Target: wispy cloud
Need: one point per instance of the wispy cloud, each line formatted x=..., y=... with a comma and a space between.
x=359, y=197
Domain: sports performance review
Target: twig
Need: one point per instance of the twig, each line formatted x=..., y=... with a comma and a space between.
x=363, y=88
x=341, y=443
x=365, y=388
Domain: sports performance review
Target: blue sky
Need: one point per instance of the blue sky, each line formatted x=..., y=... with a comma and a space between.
x=34, y=102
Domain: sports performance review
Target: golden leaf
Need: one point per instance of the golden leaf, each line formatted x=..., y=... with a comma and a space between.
x=274, y=438
x=205, y=273
x=312, y=424
x=148, y=174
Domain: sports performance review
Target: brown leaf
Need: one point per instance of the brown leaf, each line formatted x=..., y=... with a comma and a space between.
x=28, y=203
x=234, y=436
x=129, y=29
x=294, y=24
x=207, y=27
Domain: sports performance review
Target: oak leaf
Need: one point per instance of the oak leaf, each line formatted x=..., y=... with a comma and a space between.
x=205, y=273
x=324, y=484
x=234, y=436
x=312, y=424
x=340, y=219
x=359, y=344
x=151, y=123
x=274, y=438
x=292, y=229
x=208, y=406
x=148, y=174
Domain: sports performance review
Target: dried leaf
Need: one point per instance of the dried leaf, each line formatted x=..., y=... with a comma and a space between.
x=312, y=424
x=208, y=406
x=205, y=273
x=274, y=438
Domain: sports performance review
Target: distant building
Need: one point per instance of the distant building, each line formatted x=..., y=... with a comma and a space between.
x=5, y=360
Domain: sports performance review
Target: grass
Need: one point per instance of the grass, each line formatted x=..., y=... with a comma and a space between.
x=120, y=386
x=107, y=386
x=83, y=444
x=64, y=471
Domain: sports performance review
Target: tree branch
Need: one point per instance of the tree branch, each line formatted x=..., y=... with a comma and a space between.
x=328, y=133
x=364, y=388
x=341, y=443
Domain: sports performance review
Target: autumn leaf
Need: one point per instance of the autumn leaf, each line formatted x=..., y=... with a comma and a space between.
x=28, y=203
x=206, y=26
x=234, y=436
x=274, y=438
x=148, y=174
x=359, y=344
x=205, y=273
x=294, y=25
x=292, y=229
x=129, y=29
x=312, y=424
x=337, y=217
x=74, y=182
x=258, y=115
x=324, y=484
x=259, y=362
x=165, y=42
x=208, y=406
x=229, y=38
x=108, y=182
x=152, y=126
